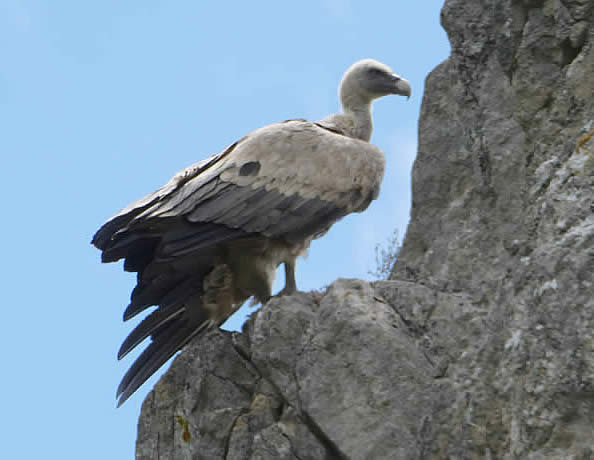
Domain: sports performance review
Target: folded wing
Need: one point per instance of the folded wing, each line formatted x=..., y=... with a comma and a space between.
x=283, y=184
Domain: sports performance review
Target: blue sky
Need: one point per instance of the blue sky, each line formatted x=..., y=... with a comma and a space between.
x=100, y=104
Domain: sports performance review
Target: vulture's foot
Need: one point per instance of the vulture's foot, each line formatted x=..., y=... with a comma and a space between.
x=288, y=290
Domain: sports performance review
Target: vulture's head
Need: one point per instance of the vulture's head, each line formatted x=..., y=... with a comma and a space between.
x=369, y=79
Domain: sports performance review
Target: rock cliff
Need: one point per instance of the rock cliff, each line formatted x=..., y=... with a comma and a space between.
x=482, y=343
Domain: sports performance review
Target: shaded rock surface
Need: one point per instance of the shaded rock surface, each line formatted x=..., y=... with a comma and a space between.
x=482, y=343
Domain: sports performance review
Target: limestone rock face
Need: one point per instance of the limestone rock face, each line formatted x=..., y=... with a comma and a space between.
x=344, y=374
x=482, y=343
x=503, y=211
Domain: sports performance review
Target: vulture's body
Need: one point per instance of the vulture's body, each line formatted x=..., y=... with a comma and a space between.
x=214, y=235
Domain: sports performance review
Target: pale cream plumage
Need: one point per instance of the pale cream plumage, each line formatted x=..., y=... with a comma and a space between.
x=214, y=235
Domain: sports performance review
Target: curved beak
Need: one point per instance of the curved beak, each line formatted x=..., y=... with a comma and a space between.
x=401, y=86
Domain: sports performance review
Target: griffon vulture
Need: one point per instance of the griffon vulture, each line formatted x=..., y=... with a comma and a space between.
x=214, y=235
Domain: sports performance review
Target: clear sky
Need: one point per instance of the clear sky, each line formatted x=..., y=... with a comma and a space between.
x=100, y=104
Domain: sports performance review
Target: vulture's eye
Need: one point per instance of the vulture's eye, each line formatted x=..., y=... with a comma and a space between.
x=375, y=72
